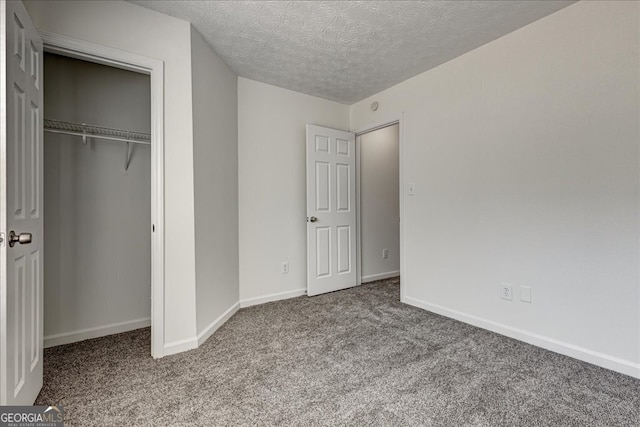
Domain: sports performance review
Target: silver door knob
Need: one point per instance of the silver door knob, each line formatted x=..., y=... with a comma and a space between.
x=22, y=238
x=313, y=219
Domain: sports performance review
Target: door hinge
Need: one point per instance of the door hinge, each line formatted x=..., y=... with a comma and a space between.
x=1, y=239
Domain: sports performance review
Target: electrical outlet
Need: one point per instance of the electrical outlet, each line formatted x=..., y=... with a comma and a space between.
x=506, y=292
x=385, y=253
x=525, y=294
x=285, y=267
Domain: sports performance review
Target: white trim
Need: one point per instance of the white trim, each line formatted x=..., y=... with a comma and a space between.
x=390, y=121
x=379, y=124
x=380, y=276
x=403, y=264
x=96, y=332
x=209, y=330
x=272, y=297
x=100, y=54
x=626, y=367
x=180, y=346
x=359, y=277
x=155, y=69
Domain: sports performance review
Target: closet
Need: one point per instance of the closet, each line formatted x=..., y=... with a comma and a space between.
x=97, y=198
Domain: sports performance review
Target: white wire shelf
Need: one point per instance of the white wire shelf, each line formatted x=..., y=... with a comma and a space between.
x=91, y=131
x=99, y=132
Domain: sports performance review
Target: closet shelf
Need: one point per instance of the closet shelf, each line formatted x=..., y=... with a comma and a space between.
x=99, y=132
x=81, y=129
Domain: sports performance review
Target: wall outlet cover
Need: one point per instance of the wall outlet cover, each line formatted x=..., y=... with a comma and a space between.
x=506, y=292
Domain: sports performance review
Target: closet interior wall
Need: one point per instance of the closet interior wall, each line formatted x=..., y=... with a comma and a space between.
x=380, y=203
x=97, y=215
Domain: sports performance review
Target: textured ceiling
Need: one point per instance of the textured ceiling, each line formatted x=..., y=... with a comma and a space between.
x=347, y=50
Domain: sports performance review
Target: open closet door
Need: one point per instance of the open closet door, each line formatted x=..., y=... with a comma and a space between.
x=331, y=210
x=21, y=201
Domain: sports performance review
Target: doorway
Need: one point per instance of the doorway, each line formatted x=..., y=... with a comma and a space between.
x=334, y=250
x=97, y=199
x=379, y=203
x=154, y=69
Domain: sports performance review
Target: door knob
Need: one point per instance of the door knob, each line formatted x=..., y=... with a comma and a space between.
x=313, y=219
x=22, y=238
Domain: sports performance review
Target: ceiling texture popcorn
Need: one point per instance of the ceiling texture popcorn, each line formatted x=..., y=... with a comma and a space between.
x=348, y=50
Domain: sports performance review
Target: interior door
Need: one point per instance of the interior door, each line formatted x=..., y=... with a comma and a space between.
x=21, y=222
x=331, y=210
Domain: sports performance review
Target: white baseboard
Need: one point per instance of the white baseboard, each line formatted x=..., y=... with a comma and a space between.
x=191, y=343
x=626, y=367
x=213, y=326
x=272, y=297
x=95, y=332
x=180, y=346
x=380, y=276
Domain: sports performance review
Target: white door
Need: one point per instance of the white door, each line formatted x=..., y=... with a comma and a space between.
x=21, y=201
x=331, y=210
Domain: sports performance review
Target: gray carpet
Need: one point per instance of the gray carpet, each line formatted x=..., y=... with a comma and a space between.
x=355, y=357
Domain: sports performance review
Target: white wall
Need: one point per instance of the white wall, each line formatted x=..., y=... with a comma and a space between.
x=272, y=189
x=525, y=157
x=132, y=28
x=97, y=251
x=215, y=157
x=379, y=203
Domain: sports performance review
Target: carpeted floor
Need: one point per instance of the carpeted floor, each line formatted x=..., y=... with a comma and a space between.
x=356, y=357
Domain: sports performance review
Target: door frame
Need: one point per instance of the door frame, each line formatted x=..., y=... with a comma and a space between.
x=380, y=124
x=91, y=52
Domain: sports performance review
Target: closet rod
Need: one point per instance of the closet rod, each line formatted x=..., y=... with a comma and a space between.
x=90, y=135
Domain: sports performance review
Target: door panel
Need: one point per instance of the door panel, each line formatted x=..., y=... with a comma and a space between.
x=323, y=170
x=21, y=201
x=34, y=170
x=331, y=204
x=323, y=256
x=343, y=188
x=344, y=249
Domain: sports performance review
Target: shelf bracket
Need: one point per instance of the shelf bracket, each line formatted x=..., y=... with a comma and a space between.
x=127, y=159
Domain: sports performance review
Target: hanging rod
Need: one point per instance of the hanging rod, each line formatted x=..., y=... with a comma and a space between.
x=99, y=132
